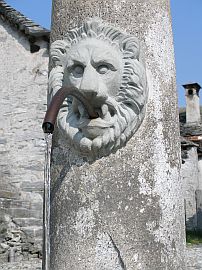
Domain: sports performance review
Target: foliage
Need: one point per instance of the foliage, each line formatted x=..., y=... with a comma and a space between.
x=194, y=238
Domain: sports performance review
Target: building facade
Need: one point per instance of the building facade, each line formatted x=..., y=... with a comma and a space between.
x=191, y=144
x=23, y=80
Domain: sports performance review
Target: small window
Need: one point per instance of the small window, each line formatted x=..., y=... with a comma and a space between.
x=34, y=48
x=190, y=92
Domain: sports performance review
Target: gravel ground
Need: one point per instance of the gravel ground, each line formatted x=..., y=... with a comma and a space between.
x=194, y=261
x=194, y=257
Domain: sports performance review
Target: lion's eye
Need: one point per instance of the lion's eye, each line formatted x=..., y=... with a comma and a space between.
x=102, y=69
x=78, y=70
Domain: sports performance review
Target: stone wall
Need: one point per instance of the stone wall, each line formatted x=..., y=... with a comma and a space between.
x=200, y=172
x=23, y=80
x=190, y=175
x=199, y=197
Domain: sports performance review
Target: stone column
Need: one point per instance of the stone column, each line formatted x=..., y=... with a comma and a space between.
x=125, y=210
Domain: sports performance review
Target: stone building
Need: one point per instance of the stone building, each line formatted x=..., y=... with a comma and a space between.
x=23, y=80
x=191, y=144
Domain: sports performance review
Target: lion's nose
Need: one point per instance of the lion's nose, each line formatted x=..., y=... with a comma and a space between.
x=89, y=84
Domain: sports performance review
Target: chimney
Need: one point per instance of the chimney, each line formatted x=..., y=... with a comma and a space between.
x=193, y=115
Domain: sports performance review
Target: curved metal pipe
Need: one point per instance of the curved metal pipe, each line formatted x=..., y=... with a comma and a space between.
x=56, y=102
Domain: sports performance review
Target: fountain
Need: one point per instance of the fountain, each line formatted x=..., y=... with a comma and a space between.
x=115, y=182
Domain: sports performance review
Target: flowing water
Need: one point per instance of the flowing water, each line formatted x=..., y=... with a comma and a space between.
x=46, y=202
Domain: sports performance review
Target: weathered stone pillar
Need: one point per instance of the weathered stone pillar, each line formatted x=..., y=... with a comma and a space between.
x=122, y=211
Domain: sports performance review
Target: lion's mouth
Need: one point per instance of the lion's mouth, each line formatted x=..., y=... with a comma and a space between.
x=105, y=115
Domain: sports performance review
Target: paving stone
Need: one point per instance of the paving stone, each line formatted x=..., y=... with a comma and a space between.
x=194, y=257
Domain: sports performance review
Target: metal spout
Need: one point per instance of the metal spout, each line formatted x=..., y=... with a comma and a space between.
x=56, y=102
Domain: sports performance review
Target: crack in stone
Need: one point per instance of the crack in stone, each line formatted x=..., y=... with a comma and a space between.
x=118, y=252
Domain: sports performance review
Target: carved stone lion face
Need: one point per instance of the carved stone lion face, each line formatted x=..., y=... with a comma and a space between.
x=104, y=65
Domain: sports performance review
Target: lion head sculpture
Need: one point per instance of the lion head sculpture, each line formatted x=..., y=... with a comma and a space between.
x=104, y=64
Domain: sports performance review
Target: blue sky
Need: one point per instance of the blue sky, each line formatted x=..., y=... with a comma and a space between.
x=187, y=30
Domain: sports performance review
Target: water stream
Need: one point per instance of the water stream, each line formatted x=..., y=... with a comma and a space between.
x=46, y=204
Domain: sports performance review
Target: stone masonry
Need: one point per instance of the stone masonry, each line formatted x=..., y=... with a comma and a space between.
x=194, y=261
x=191, y=181
x=23, y=80
x=123, y=211
x=191, y=169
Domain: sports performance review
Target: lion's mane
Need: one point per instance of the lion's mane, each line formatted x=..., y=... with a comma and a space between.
x=133, y=91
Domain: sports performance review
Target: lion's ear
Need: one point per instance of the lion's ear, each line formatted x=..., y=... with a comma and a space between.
x=131, y=47
x=57, y=53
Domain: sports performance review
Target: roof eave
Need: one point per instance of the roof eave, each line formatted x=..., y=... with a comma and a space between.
x=22, y=23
